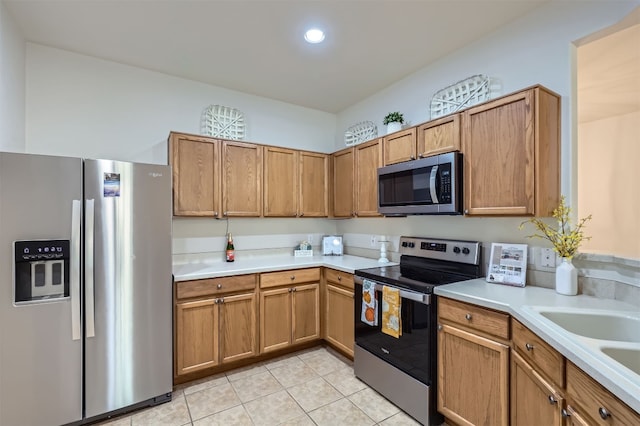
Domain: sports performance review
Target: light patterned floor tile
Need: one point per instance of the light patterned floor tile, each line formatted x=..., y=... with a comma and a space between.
x=324, y=363
x=273, y=409
x=174, y=413
x=207, y=382
x=236, y=416
x=345, y=381
x=241, y=373
x=299, y=421
x=212, y=400
x=311, y=352
x=373, y=404
x=400, y=419
x=255, y=386
x=120, y=421
x=296, y=374
x=314, y=394
x=341, y=412
x=283, y=361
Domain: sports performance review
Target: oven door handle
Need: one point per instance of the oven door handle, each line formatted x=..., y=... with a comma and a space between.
x=425, y=299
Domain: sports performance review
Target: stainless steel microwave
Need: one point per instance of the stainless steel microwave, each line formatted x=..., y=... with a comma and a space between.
x=431, y=185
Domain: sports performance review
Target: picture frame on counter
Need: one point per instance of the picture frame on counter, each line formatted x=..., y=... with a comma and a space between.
x=508, y=264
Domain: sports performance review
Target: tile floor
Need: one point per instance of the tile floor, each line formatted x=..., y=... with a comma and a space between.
x=311, y=387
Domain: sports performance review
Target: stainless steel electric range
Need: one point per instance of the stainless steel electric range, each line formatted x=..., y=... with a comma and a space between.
x=404, y=369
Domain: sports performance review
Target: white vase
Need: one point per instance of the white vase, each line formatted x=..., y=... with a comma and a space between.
x=567, y=278
x=394, y=126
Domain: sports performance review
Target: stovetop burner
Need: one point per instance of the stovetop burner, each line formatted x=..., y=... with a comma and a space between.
x=428, y=262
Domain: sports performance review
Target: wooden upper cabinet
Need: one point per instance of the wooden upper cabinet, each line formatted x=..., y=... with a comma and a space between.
x=439, y=136
x=511, y=150
x=400, y=146
x=195, y=163
x=280, y=182
x=313, y=197
x=241, y=179
x=368, y=158
x=343, y=189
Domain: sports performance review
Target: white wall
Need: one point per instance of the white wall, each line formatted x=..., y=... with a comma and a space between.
x=12, y=84
x=83, y=106
x=534, y=49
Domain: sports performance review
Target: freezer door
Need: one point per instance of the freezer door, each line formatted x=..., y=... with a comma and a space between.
x=40, y=362
x=128, y=303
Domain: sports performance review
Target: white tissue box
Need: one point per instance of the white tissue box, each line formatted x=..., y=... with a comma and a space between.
x=303, y=253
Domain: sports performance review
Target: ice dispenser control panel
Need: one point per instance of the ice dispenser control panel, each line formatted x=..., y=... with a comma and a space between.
x=41, y=270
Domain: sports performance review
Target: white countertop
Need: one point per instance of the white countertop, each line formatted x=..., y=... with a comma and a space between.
x=582, y=351
x=257, y=264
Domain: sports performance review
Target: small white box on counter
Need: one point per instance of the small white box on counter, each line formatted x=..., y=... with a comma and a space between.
x=303, y=253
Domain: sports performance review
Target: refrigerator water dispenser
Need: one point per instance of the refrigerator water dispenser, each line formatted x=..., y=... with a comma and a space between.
x=41, y=270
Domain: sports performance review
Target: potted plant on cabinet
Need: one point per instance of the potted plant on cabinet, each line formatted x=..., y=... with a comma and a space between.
x=393, y=121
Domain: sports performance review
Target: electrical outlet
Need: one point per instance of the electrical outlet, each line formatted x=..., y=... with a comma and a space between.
x=310, y=239
x=547, y=258
x=374, y=240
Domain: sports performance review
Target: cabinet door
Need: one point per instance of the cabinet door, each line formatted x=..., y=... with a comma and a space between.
x=499, y=156
x=339, y=318
x=196, y=335
x=275, y=319
x=343, y=180
x=306, y=313
x=400, y=146
x=313, y=199
x=574, y=418
x=368, y=158
x=241, y=179
x=473, y=378
x=533, y=400
x=280, y=182
x=238, y=338
x=195, y=165
x=439, y=136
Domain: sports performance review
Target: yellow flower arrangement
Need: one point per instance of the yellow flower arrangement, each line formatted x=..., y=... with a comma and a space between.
x=564, y=239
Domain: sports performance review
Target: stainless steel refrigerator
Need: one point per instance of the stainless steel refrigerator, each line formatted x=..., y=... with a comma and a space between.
x=85, y=288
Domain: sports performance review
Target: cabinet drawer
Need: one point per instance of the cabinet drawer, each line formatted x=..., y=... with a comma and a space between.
x=340, y=278
x=594, y=401
x=474, y=317
x=215, y=286
x=295, y=276
x=538, y=353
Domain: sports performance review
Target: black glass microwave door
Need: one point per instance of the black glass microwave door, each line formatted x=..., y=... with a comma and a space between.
x=406, y=187
x=410, y=352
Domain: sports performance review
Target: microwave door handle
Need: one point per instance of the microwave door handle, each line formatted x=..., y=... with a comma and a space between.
x=432, y=185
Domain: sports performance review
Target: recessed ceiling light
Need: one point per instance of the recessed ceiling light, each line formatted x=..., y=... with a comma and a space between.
x=314, y=35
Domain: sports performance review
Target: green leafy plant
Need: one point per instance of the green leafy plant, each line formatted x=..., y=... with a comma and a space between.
x=565, y=240
x=393, y=117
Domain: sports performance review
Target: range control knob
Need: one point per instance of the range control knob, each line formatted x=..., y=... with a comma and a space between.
x=404, y=244
x=465, y=250
x=411, y=245
x=456, y=249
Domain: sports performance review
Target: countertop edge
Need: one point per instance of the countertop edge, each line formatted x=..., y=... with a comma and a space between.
x=574, y=348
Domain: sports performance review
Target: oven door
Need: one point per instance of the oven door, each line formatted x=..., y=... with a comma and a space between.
x=415, y=351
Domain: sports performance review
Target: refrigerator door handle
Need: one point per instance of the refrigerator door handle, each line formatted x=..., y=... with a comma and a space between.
x=76, y=207
x=88, y=268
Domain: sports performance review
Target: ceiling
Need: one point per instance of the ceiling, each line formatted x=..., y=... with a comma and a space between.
x=257, y=46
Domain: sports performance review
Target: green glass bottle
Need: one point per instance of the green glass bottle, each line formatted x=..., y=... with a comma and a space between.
x=231, y=253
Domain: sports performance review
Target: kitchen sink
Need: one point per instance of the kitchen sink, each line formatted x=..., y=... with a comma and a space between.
x=602, y=325
x=630, y=358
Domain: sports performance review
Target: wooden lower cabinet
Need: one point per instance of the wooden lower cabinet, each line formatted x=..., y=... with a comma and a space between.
x=289, y=316
x=196, y=335
x=534, y=400
x=238, y=320
x=338, y=314
x=473, y=378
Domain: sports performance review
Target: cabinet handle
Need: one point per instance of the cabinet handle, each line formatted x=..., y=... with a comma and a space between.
x=219, y=286
x=439, y=327
x=528, y=346
x=225, y=213
x=215, y=214
x=293, y=277
x=466, y=211
x=294, y=289
x=468, y=317
x=339, y=278
x=290, y=290
x=565, y=413
x=412, y=157
x=222, y=300
x=420, y=155
x=301, y=214
x=216, y=301
x=355, y=214
x=604, y=413
x=552, y=400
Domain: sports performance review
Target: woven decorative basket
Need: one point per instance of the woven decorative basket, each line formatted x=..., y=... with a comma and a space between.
x=223, y=122
x=360, y=132
x=463, y=94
